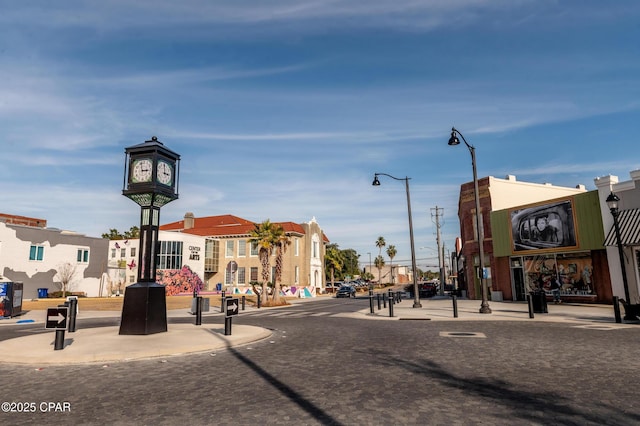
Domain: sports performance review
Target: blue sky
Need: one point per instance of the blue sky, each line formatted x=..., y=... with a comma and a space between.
x=285, y=109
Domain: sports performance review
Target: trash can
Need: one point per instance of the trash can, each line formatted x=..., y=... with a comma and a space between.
x=43, y=293
x=539, y=302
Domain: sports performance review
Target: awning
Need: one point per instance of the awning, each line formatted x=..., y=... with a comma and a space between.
x=629, y=222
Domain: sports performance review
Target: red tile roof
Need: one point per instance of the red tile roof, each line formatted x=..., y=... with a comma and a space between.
x=227, y=226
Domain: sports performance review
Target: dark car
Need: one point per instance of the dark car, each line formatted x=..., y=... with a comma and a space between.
x=346, y=291
x=426, y=289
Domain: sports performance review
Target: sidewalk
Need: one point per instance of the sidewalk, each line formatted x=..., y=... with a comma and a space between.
x=440, y=308
x=105, y=345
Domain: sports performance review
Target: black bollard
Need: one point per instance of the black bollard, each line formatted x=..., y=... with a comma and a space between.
x=391, y=299
x=616, y=309
x=244, y=302
x=530, y=303
x=455, y=305
x=222, y=299
x=59, y=342
x=384, y=300
x=227, y=326
x=371, y=302
x=73, y=310
x=199, y=310
x=259, y=300
x=379, y=301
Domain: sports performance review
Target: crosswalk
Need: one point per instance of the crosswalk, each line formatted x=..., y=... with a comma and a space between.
x=287, y=314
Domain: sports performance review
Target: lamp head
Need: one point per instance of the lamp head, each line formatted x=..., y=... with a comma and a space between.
x=453, y=140
x=376, y=182
x=612, y=201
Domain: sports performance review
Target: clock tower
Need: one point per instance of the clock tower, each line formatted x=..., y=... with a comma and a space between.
x=151, y=181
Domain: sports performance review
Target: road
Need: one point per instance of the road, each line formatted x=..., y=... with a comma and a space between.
x=324, y=365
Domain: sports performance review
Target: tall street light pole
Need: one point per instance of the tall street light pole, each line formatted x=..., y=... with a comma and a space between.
x=453, y=140
x=612, y=202
x=416, y=297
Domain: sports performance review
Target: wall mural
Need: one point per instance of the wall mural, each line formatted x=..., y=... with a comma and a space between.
x=543, y=227
x=177, y=281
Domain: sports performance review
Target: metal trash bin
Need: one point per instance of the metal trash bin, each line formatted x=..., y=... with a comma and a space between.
x=539, y=302
x=43, y=293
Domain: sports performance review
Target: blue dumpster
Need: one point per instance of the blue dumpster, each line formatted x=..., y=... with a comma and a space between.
x=43, y=293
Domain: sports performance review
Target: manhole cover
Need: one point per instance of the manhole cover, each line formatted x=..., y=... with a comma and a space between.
x=462, y=334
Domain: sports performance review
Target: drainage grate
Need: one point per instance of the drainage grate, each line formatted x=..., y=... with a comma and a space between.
x=462, y=334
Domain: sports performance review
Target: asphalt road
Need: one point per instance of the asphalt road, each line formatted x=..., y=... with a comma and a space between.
x=322, y=368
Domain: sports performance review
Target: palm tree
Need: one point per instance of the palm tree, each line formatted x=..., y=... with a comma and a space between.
x=379, y=262
x=334, y=261
x=263, y=236
x=380, y=242
x=282, y=241
x=391, y=252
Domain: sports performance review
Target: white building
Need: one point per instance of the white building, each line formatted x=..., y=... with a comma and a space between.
x=33, y=254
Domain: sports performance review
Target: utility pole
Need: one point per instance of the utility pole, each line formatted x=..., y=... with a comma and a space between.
x=438, y=213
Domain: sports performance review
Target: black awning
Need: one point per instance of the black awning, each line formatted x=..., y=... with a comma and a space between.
x=629, y=221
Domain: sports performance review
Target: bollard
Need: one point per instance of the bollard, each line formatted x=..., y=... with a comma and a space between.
x=379, y=301
x=59, y=342
x=222, y=299
x=73, y=309
x=455, y=305
x=244, y=302
x=391, y=299
x=227, y=326
x=530, y=303
x=259, y=300
x=199, y=310
x=616, y=309
x=371, y=302
x=384, y=300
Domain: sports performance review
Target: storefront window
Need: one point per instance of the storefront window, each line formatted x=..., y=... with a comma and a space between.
x=574, y=271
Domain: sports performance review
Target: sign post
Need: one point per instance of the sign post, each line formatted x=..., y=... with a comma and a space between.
x=231, y=310
x=57, y=320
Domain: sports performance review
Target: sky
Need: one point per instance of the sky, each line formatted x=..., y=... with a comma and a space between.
x=285, y=109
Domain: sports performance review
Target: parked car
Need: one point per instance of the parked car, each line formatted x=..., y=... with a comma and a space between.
x=426, y=289
x=346, y=291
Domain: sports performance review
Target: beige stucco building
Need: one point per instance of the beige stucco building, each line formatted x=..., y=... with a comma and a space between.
x=230, y=261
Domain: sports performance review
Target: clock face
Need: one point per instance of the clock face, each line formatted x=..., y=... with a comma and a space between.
x=142, y=170
x=165, y=173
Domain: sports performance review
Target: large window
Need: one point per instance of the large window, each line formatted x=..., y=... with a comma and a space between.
x=229, y=250
x=574, y=272
x=170, y=255
x=242, y=279
x=254, y=274
x=242, y=248
x=36, y=253
x=254, y=249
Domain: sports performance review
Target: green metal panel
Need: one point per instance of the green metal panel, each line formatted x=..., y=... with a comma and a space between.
x=588, y=221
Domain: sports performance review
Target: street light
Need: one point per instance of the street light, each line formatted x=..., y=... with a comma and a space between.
x=612, y=202
x=416, y=297
x=453, y=140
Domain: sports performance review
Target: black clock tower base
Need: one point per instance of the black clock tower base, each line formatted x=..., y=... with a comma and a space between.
x=144, y=310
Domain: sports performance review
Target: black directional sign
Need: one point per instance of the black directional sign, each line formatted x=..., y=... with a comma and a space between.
x=57, y=318
x=232, y=307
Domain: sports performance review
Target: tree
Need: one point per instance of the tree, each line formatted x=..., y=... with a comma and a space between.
x=281, y=242
x=391, y=252
x=264, y=235
x=334, y=261
x=65, y=276
x=114, y=234
x=380, y=242
x=379, y=262
x=351, y=262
